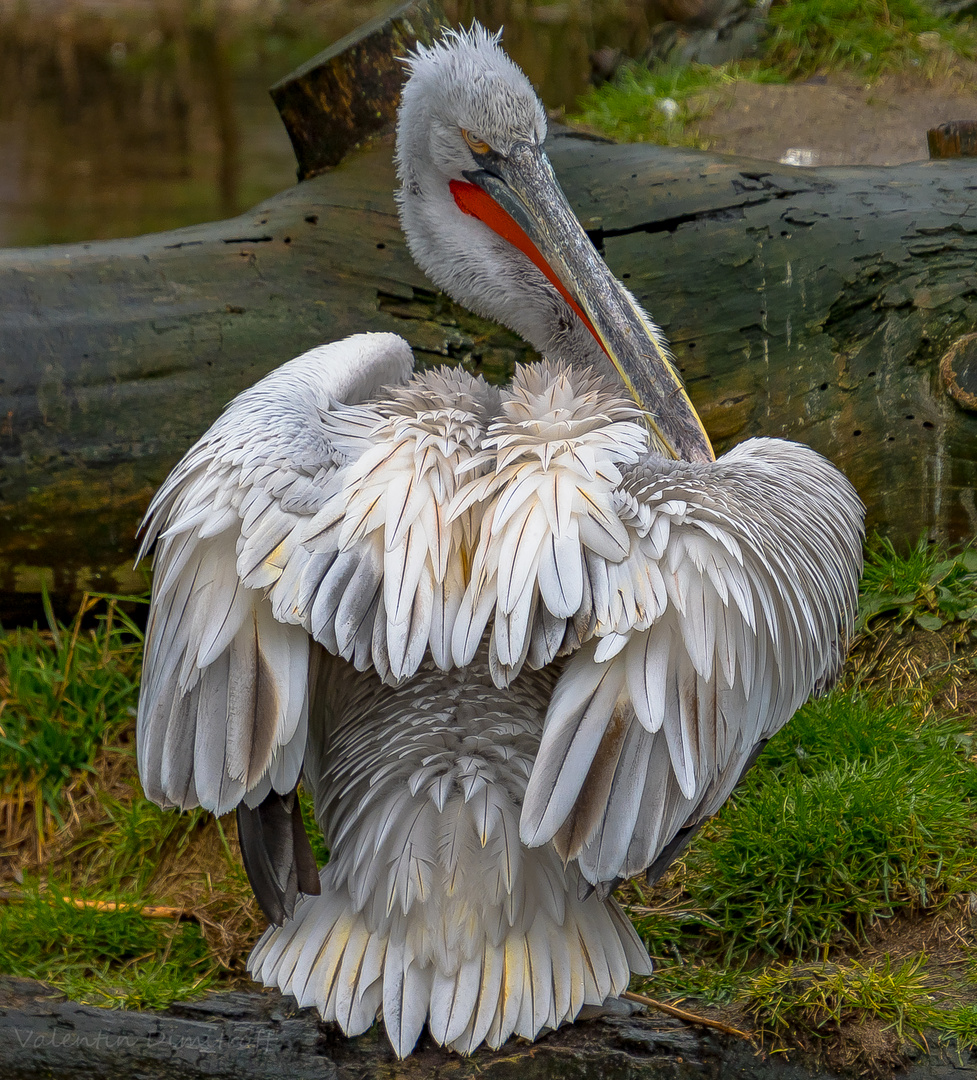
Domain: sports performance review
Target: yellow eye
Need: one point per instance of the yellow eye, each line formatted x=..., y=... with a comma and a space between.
x=474, y=143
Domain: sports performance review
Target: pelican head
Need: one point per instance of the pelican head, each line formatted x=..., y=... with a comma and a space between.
x=486, y=220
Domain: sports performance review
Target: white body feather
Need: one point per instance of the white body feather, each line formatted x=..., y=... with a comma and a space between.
x=431, y=909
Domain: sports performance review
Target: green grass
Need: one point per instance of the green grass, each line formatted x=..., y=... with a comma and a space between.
x=868, y=36
x=638, y=105
x=78, y=827
x=865, y=37
x=65, y=693
x=922, y=588
x=307, y=807
x=119, y=958
x=959, y=1026
x=123, y=853
x=815, y=999
x=814, y=854
x=857, y=810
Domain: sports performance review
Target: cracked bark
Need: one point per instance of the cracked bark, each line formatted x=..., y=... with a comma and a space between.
x=811, y=304
x=264, y=1037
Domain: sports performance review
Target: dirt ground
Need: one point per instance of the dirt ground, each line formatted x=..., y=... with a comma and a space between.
x=838, y=120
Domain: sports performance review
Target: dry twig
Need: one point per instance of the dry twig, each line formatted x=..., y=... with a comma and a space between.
x=151, y=911
x=689, y=1018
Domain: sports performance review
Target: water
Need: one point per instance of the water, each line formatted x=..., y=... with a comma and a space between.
x=120, y=119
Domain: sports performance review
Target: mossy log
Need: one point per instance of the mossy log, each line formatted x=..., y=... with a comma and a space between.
x=809, y=303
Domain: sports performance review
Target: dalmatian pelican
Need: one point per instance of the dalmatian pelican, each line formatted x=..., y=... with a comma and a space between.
x=518, y=643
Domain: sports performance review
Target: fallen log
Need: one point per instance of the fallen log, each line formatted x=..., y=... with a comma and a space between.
x=265, y=1037
x=809, y=303
x=262, y=1036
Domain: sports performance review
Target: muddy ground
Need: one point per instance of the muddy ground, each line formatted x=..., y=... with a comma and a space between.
x=839, y=118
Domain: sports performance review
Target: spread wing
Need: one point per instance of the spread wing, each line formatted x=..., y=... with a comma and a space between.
x=223, y=708
x=703, y=604
x=731, y=609
x=300, y=514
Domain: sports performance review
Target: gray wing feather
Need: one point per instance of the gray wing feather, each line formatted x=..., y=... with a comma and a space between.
x=223, y=708
x=731, y=608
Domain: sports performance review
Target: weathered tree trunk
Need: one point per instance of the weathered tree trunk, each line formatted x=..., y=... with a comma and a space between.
x=352, y=89
x=808, y=303
x=252, y=1036
x=956, y=138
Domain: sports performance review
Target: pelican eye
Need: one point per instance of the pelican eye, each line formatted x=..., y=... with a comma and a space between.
x=475, y=144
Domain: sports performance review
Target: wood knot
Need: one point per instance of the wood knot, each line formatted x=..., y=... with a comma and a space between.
x=958, y=372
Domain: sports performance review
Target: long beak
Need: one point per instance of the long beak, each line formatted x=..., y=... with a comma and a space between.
x=520, y=198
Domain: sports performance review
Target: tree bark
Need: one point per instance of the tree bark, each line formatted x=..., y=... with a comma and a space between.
x=352, y=89
x=262, y=1036
x=813, y=304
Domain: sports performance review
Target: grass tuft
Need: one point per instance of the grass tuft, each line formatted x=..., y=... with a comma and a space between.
x=814, y=851
x=664, y=104
x=922, y=588
x=815, y=1000
x=125, y=852
x=115, y=958
x=868, y=36
x=64, y=693
x=660, y=106
x=960, y=1026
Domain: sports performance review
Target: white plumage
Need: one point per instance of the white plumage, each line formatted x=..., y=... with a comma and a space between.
x=517, y=649
x=426, y=863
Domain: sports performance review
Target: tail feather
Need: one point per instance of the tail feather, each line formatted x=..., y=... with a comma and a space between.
x=635, y=953
x=538, y=976
x=578, y=986
x=325, y=962
x=454, y=998
x=406, y=993
x=510, y=1002
x=597, y=973
x=366, y=995
x=347, y=983
x=431, y=910
x=528, y=1008
x=562, y=996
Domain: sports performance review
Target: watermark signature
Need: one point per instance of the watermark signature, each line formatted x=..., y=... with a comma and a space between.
x=255, y=1039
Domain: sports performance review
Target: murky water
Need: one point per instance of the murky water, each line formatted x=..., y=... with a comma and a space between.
x=119, y=119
